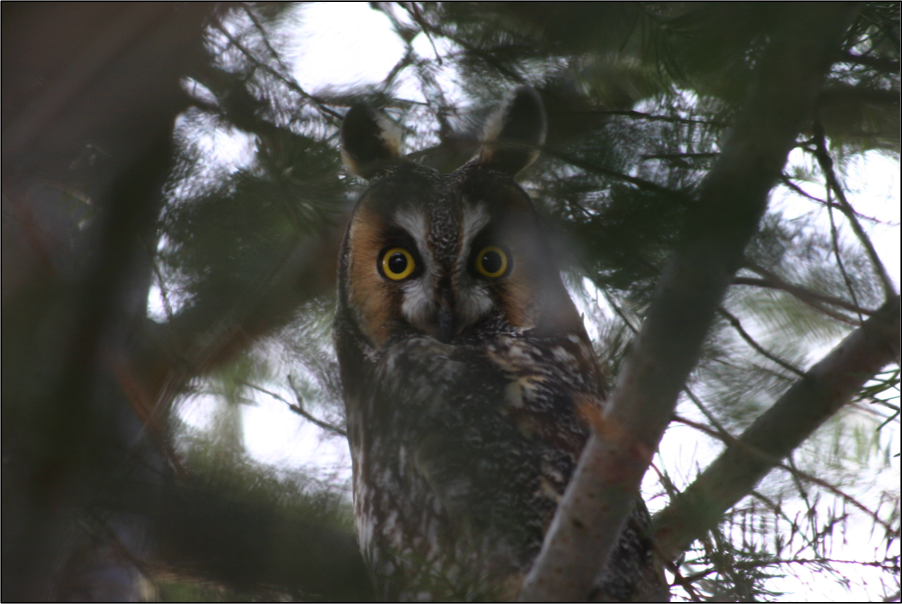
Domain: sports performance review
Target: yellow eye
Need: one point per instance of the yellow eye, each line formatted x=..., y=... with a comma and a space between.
x=491, y=262
x=397, y=263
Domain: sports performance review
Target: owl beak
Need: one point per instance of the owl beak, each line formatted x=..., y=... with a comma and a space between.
x=447, y=325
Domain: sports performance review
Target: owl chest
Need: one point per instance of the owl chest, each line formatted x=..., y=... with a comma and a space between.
x=458, y=464
x=405, y=532
x=427, y=523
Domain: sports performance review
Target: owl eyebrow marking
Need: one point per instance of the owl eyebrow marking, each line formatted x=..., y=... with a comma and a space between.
x=412, y=221
x=475, y=217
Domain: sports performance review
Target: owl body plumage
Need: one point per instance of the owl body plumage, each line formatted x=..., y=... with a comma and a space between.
x=467, y=374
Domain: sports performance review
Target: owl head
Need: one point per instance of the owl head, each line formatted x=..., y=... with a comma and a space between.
x=456, y=256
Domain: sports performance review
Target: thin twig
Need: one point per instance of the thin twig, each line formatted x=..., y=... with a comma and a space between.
x=285, y=80
x=799, y=473
x=794, y=528
x=734, y=321
x=811, y=515
x=787, y=181
x=298, y=408
x=478, y=52
x=679, y=156
x=684, y=582
x=775, y=561
x=590, y=167
x=726, y=438
x=652, y=117
x=826, y=164
x=773, y=281
x=876, y=62
x=395, y=70
x=834, y=234
x=807, y=296
x=414, y=11
x=265, y=37
x=724, y=434
x=167, y=306
x=803, y=297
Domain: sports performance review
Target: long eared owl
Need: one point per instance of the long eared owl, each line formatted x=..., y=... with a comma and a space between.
x=466, y=370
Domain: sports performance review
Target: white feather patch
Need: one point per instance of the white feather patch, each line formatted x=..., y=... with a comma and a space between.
x=419, y=299
x=473, y=299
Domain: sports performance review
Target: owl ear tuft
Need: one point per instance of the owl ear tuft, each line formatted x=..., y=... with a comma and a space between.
x=512, y=137
x=369, y=141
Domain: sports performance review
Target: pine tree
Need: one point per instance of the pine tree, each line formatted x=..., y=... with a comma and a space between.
x=669, y=127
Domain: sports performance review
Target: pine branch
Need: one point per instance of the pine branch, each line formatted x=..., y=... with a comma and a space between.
x=807, y=296
x=887, y=65
x=297, y=407
x=790, y=469
x=248, y=535
x=786, y=180
x=327, y=111
x=653, y=118
x=826, y=387
x=732, y=200
x=737, y=325
x=826, y=164
x=200, y=337
x=65, y=439
x=812, y=298
x=834, y=238
x=643, y=184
